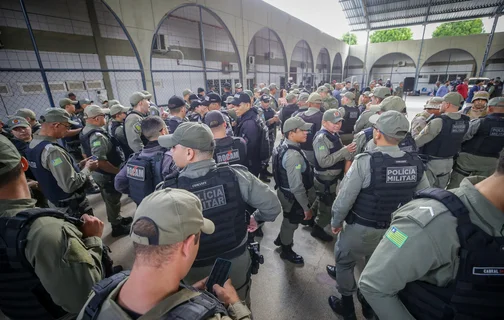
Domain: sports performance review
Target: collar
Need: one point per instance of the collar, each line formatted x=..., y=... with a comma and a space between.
x=198, y=169
x=250, y=114
x=9, y=208
x=39, y=137
x=152, y=144
x=387, y=149
x=292, y=143
x=92, y=126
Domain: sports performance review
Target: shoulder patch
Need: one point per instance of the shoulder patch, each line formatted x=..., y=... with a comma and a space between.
x=97, y=143
x=425, y=212
x=322, y=148
x=396, y=236
x=137, y=128
x=298, y=167
x=56, y=162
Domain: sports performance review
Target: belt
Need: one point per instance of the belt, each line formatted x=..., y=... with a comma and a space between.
x=233, y=253
x=66, y=203
x=457, y=169
x=354, y=218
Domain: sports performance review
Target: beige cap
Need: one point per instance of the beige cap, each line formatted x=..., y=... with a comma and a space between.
x=94, y=111
x=483, y=95
x=303, y=97
x=273, y=86
x=391, y=123
x=366, y=93
x=56, y=115
x=66, y=101
x=265, y=90
x=322, y=89
x=328, y=86
x=381, y=92
x=454, y=98
x=9, y=155
x=496, y=102
x=191, y=135
x=26, y=113
x=117, y=108
x=238, y=85
x=177, y=215
x=332, y=115
x=434, y=103
x=294, y=123
x=393, y=103
x=314, y=98
x=136, y=97
x=186, y=92
x=349, y=95
x=16, y=122
x=112, y=102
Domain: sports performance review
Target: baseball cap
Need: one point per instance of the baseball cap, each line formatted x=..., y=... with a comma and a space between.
x=392, y=103
x=273, y=86
x=294, y=123
x=256, y=90
x=290, y=96
x=265, y=98
x=322, y=89
x=366, y=93
x=26, y=113
x=303, y=97
x=85, y=101
x=265, y=90
x=136, y=97
x=9, y=155
x=314, y=98
x=191, y=135
x=454, y=98
x=211, y=98
x=332, y=115
x=147, y=93
x=16, y=122
x=434, y=103
x=112, y=102
x=175, y=102
x=193, y=96
x=186, y=92
x=483, y=95
x=177, y=214
x=51, y=115
x=94, y=111
x=249, y=93
x=349, y=95
x=201, y=90
x=227, y=85
x=240, y=97
x=117, y=108
x=496, y=102
x=328, y=86
x=66, y=101
x=214, y=118
x=295, y=91
x=392, y=123
x=195, y=103
x=381, y=92
x=229, y=99
x=238, y=85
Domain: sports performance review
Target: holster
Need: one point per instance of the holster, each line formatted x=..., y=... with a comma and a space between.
x=296, y=214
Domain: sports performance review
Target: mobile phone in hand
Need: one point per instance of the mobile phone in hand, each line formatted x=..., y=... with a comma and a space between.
x=219, y=274
x=94, y=158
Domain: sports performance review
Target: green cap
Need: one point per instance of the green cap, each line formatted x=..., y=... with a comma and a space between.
x=392, y=103
x=147, y=93
x=381, y=92
x=117, y=108
x=366, y=93
x=314, y=98
x=496, y=102
x=94, y=111
x=349, y=95
x=238, y=85
x=186, y=92
x=328, y=86
x=322, y=89
x=256, y=90
x=16, y=122
x=112, y=102
x=332, y=115
x=273, y=86
x=9, y=155
x=230, y=99
x=191, y=135
x=26, y=113
x=454, y=98
x=249, y=93
x=265, y=90
x=136, y=97
x=295, y=86
x=56, y=115
x=392, y=123
x=294, y=123
x=295, y=91
x=177, y=215
x=85, y=101
x=483, y=95
x=66, y=101
x=303, y=97
x=290, y=96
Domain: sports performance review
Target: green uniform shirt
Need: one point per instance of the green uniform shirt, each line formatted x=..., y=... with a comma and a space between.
x=133, y=130
x=330, y=102
x=433, y=128
x=321, y=147
x=428, y=251
x=363, y=121
x=418, y=123
x=99, y=143
x=66, y=264
x=119, y=133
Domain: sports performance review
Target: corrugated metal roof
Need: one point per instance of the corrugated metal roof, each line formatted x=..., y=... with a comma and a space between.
x=382, y=14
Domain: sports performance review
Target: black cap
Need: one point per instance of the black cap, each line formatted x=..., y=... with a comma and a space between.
x=265, y=98
x=175, y=102
x=193, y=96
x=227, y=85
x=212, y=97
x=214, y=118
x=195, y=103
x=239, y=98
x=201, y=90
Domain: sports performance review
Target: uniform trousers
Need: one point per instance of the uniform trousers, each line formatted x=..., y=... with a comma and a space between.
x=324, y=206
x=471, y=165
x=110, y=195
x=438, y=172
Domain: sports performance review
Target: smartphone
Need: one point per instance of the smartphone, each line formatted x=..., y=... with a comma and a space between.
x=94, y=158
x=219, y=274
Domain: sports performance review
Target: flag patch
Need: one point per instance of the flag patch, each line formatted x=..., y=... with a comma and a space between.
x=57, y=162
x=396, y=236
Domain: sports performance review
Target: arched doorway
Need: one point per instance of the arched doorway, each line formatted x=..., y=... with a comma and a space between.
x=322, y=67
x=394, y=66
x=337, y=70
x=494, y=66
x=301, y=65
x=353, y=69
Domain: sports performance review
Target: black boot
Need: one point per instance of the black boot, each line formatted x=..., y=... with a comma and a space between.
x=318, y=232
x=308, y=223
x=367, y=311
x=331, y=271
x=264, y=178
x=267, y=173
x=344, y=307
x=277, y=241
x=289, y=255
x=126, y=220
x=120, y=230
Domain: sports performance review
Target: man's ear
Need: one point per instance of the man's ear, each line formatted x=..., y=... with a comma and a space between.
x=24, y=164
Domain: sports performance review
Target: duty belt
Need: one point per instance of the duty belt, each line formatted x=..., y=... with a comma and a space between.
x=457, y=169
x=352, y=218
x=233, y=253
x=70, y=202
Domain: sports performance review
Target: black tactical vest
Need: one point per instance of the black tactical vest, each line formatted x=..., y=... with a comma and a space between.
x=287, y=112
x=477, y=292
x=115, y=155
x=408, y=144
x=232, y=151
x=447, y=143
x=351, y=116
x=489, y=139
x=124, y=144
x=173, y=123
x=144, y=174
x=22, y=295
x=316, y=120
x=222, y=203
x=280, y=173
x=144, y=139
x=393, y=183
x=334, y=138
x=200, y=307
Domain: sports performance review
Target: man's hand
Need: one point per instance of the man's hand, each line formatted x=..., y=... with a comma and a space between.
x=226, y=294
x=336, y=230
x=200, y=285
x=32, y=184
x=352, y=147
x=92, y=165
x=308, y=215
x=252, y=224
x=92, y=227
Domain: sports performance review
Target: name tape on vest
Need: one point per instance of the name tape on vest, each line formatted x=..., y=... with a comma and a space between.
x=497, y=132
x=488, y=271
x=228, y=156
x=458, y=127
x=401, y=174
x=135, y=172
x=213, y=197
x=353, y=115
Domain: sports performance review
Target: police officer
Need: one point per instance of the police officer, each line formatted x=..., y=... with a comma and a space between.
x=272, y=120
x=294, y=180
x=198, y=111
x=350, y=114
x=482, y=143
x=96, y=142
x=81, y=105
x=238, y=88
x=132, y=123
x=185, y=94
x=364, y=101
x=153, y=109
x=328, y=101
x=167, y=231
x=272, y=92
x=147, y=168
x=225, y=192
x=478, y=107
x=302, y=103
x=431, y=108
x=53, y=271
x=441, y=255
x=176, y=105
x=495, y=90
x=71, y=140
x=30, y=116
x=227, y=148
x=58, y=176
x=227, y=92
x=287, y=111
x=376, y=184
x=213, y=103
x=314, y=116
x=330, y=156
x=201, y=93
x=378, y=95
x=115, y=127
x=441, y=139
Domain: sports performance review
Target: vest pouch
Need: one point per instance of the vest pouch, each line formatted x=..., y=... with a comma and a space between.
x=140, y=178
x=427, y=302
x=296, y=213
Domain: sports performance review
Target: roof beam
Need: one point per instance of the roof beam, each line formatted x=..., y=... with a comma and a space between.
x=498, y=10
x=364, y=9
x=427, y=14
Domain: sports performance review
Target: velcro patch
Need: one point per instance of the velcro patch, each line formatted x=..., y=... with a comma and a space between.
x=321, y=148
x=57, y=162
x=298, y=167
x=396, y=236
x=404, y=174
x=497, y=132
x=212, y=197
x=228, y=156
x=135, y=172
x=97, y=143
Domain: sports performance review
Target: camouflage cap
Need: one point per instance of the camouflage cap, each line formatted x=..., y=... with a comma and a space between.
x=26, y=113
x=391, y=123
x=381, y=92
x=191, y=135
x=332, y=115
x=9, y=155
x=322, y=89
x=265, y=91
x=483, y=95
x=328, y=86
x=392, y=103
x=229, y=99
x=434, y=103
x=238, y=85
x=496, y=102
x=16, y=122
x=249, y=93
x=454, y=98
x=366, y=94
x=314, y=98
